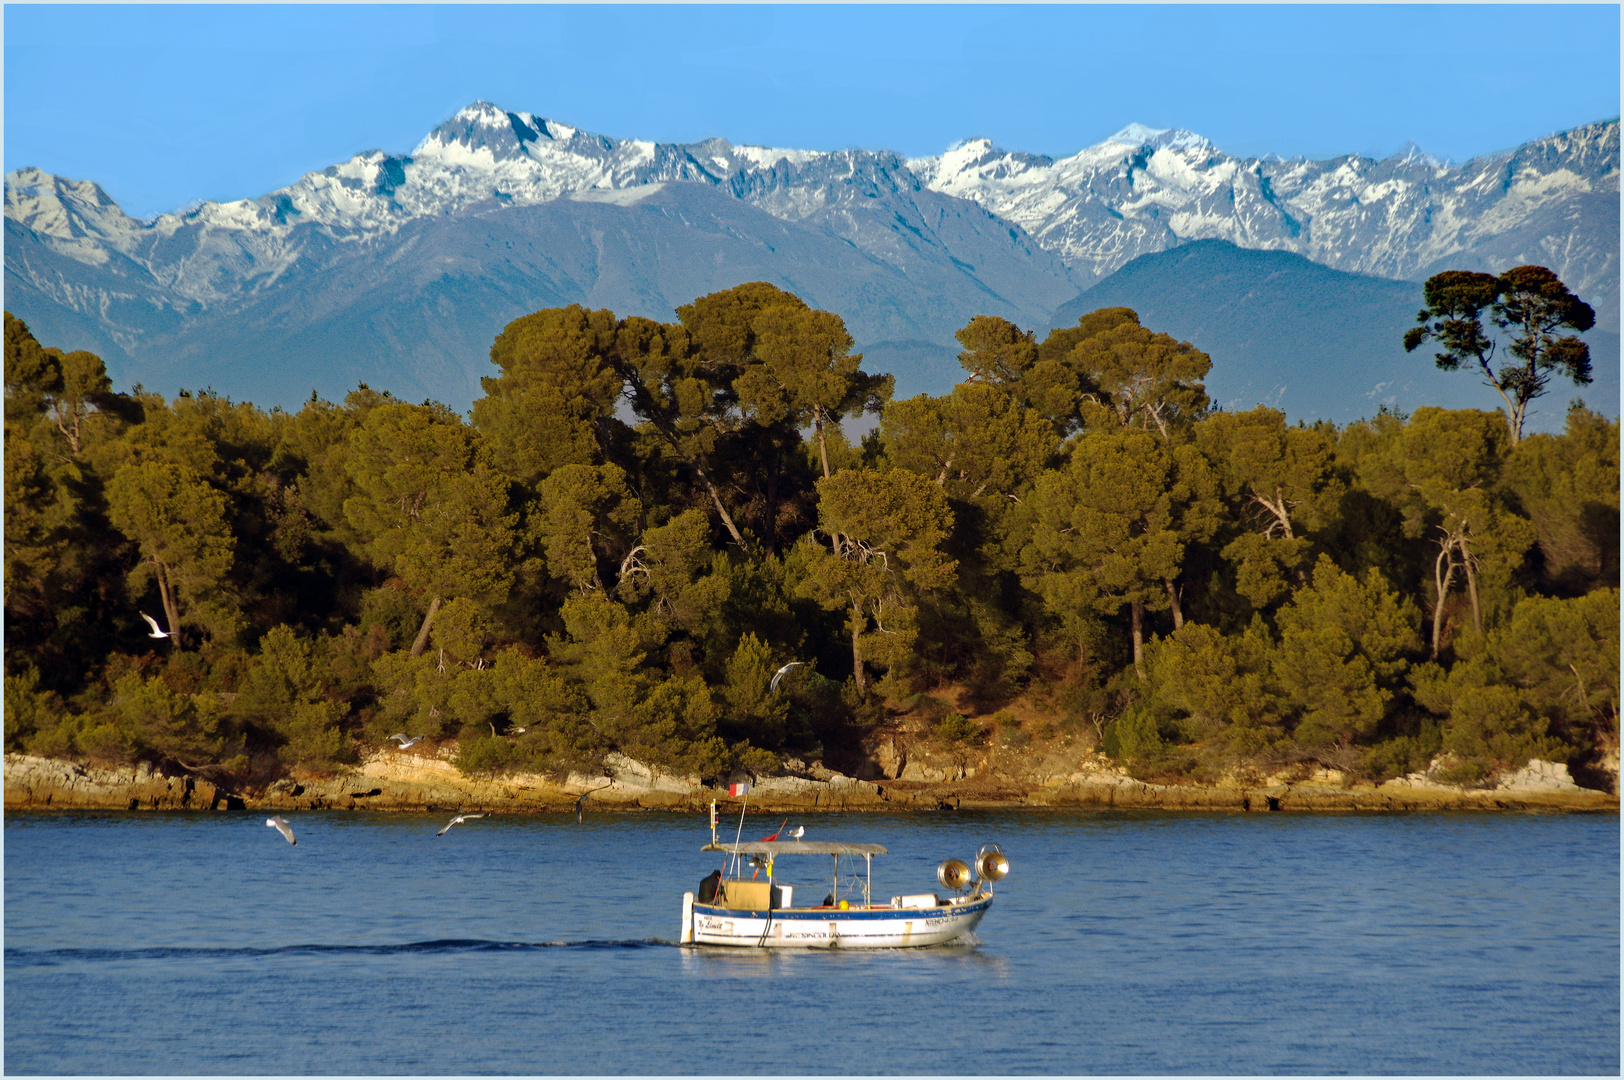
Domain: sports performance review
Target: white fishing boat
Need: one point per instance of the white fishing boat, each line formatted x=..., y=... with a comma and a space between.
x=766, y=911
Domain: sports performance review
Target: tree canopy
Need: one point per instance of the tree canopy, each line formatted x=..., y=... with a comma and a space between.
x=641, y=522
x=1530, y=307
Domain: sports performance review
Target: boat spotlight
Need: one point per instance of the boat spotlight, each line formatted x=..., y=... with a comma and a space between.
x=953, y=874
x=991, y=862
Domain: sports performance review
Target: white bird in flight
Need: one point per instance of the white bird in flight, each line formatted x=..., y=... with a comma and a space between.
x=405, y=742
x=772, y=687
x=280, y=825
x=458, y=820
x=157, y=631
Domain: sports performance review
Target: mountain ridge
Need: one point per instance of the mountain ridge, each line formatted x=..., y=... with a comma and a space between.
x=907, y=250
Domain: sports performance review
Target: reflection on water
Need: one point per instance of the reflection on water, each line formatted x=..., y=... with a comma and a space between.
x=947, y=961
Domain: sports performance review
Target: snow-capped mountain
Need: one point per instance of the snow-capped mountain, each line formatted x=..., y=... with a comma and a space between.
x=1553, y=201
x=400, y=269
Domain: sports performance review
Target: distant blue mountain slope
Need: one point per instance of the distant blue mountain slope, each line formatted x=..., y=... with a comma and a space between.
x=1312, y=341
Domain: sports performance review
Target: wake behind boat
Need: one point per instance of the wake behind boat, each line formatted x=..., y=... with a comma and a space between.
x=770, y=913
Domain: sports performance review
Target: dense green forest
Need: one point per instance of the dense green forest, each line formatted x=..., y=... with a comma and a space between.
x=641, y=522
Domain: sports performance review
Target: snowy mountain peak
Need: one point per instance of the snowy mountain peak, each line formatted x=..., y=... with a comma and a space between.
x=482, y=112
x=67, y=209
x=1137, y=134
x=1143, y=190
x=969, y=153
x=1411, y=153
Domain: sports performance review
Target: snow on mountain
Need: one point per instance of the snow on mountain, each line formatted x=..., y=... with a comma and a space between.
x=974, y=230
x=1141, y=190
x=1144, y=190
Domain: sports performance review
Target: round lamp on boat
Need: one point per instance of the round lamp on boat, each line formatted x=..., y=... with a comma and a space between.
x=992, y=862
x=953, y=874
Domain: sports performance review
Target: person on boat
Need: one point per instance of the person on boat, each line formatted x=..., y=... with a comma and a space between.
x=708, y=887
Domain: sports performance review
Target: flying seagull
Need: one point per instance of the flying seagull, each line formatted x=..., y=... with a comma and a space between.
x=458, y=820
x=280, y=825
x=580, y=804
x=157, y=631
x=405, y=742
x=772, y=687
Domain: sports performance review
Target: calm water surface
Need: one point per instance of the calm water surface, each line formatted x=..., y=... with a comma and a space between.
x=1120, y=943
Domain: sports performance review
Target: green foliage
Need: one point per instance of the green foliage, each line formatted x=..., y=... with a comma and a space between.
x=1113, y=527
x=1568, y=485
x=587, y=515
x=155, y=722
x=957, y=728
x=178, y=520
x=487, y=755
x=1563, y=655
x=556, y=394
x=29, y=710
x=975, y=443
x=1342, y=655
x=1217, y=686
x=286, y=693
x=1543, y=686
x=753, y=712
x=1530, y=306
x=1402, y=754
x=1011, y=735
x=886, y=531
x=1138, y=736
x=561, y=579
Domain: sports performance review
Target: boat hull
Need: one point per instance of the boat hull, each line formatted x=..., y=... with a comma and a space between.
x=832, y=928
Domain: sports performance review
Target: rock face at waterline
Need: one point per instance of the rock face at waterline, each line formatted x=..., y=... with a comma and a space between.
x=406, y=781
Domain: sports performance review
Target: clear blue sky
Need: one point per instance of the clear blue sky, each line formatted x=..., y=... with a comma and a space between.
x=163, y=105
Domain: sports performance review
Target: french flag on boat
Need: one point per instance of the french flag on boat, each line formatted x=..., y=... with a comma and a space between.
x=736, y=790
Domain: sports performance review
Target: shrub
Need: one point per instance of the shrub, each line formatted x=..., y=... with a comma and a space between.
x=960, y=729
x=1138, y=736
x=486, y=755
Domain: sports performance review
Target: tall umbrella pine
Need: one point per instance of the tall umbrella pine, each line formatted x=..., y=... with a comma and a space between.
x=807, y=354
x=586, y=513
x=1531, y=307
x=1443, y=468
x=178, y=521
x=430, y=506
x=790, y=362
x=1146, y=379
x=686, y=399
x=884, y=532
x=997, y=353
x=1051, y=377
x=554, y=402
x=1110, y=529
x=976, y=443
x=1277, y=481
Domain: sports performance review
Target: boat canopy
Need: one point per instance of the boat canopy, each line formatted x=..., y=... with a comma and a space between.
x=796, y=847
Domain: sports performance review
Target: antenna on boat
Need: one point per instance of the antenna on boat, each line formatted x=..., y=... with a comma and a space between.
x=740, y=834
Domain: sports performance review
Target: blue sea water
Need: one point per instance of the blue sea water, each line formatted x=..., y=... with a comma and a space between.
x=1120, y=943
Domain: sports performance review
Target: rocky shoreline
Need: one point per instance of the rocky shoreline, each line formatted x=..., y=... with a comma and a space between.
x=406, y=782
